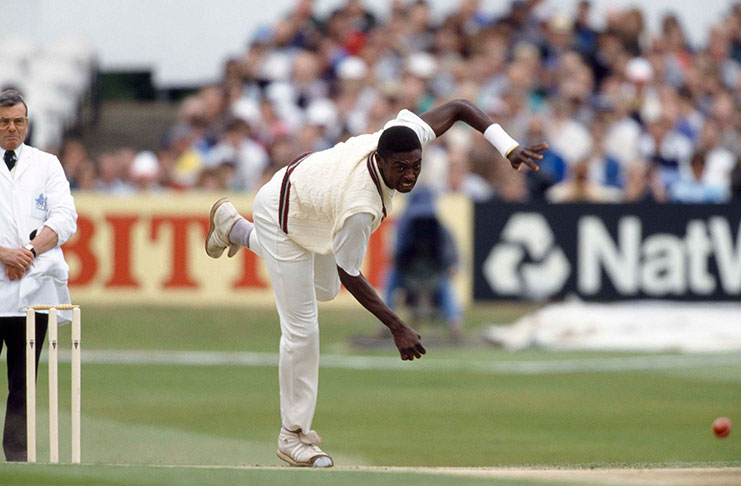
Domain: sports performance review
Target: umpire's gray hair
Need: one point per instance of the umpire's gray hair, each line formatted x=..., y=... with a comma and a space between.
x=11, y=97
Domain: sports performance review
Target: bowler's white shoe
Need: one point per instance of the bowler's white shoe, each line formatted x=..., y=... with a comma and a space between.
x=223, y=217
x=299, y=449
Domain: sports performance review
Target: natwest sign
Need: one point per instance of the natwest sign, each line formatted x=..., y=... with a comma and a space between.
x=608, y=252
x=703, y=260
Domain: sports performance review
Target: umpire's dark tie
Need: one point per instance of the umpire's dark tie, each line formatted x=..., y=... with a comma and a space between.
x=9, y=158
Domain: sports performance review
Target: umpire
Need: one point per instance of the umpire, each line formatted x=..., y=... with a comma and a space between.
x=37, y=215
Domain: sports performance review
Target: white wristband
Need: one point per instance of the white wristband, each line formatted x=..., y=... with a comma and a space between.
x=496, y=135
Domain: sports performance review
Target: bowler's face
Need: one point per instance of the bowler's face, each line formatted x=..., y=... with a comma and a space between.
x=14, y=134
x=401, y=170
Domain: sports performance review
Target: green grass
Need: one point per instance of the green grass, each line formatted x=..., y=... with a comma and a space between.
x=228, y=415
x=241, y=329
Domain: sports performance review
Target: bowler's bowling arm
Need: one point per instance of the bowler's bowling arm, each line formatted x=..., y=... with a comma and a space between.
x=407, y=340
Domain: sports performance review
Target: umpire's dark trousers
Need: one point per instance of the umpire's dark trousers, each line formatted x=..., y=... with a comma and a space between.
x=13, y=335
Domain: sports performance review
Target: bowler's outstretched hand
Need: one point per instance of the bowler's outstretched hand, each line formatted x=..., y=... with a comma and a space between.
x=527, y=155
x=408, y=342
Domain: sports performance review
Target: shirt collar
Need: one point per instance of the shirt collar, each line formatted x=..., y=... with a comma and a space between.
x=386, y=189
x=17, y=151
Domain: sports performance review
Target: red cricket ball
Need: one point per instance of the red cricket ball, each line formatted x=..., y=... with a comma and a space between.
x=721, y=427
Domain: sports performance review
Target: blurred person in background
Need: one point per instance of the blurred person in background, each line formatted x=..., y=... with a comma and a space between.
x=719, y=160
x=666, y=148
x=354, y=97
x=239, y=150
x=281, y=152
x=462, y=181
x=585, y=36
x=579, y=187
x=214, y=178
x=689, y=119
x=111, y=177
x=74, y=158
x=37, y=215
x=88, y=174
x=416, y=82
x=306, y=78
x=603, y=169
x=306, y=26
x=144, y=172
x=566, y=135
x=643, y=184
x=692, y=188
x=182, y=141
x=425, y=260
x=419, y=35
x=622, y=132
x=313, y=221
x=559, y=41
x=552, y=168
x=321, y=127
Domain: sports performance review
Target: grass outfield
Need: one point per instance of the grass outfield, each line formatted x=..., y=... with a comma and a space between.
x=471, y=407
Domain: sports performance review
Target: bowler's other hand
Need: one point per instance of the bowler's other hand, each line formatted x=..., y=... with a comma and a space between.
x=528, y=155
x=14, y=273
x=408, y=342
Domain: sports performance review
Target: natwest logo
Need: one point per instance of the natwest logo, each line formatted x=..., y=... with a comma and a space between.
x=527, y=261
x=662, y=264
x=658, y=253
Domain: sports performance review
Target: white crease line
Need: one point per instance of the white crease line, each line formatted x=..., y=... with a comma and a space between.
x=254, y=359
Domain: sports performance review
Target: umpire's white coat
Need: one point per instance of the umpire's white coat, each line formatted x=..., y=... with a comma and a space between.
x=38, y=196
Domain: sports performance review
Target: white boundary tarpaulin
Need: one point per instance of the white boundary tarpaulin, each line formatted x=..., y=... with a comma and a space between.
x=625, y=326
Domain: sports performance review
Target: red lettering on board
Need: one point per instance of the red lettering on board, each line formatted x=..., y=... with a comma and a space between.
x=79, y=247
x=180, y=276
x=249, y=277
x=121, y=276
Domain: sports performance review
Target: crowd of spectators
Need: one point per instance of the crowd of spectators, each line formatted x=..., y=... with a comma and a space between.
x=630, y=115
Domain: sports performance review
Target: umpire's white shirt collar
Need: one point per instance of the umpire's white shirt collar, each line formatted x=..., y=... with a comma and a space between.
x=17, y=152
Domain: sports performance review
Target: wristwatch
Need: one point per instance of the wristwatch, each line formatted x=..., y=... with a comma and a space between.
x=30, y=248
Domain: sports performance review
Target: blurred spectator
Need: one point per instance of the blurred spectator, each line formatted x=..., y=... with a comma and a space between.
x=585, y=37
x=111, y=175
x=719, y=161
x=579, y=188
x=552, y=167
x=603, y=169
x=566, y=135
x=214, y=178
x=247, y=158
x=642, y=184
x=76, y=161
x=282, y=152
x=425, y=259
x=691, y=188
x=182, y=142
x=462, y=181
x=145, y=172
x=669, y=150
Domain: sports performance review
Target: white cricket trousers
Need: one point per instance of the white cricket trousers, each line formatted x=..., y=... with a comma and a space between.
x=299, y=279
